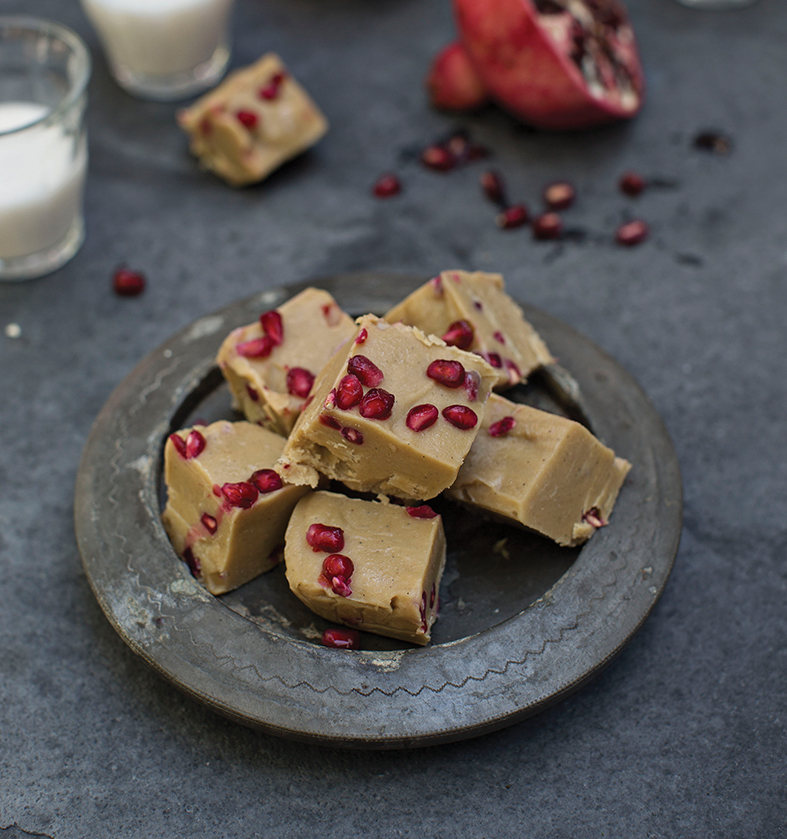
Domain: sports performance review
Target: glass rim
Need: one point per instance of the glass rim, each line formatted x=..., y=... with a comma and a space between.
x=78, y=48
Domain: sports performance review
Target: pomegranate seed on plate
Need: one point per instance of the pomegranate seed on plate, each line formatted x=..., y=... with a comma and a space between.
x=128, y=283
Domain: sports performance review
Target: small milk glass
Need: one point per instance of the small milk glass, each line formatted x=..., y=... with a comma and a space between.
x=44, y=71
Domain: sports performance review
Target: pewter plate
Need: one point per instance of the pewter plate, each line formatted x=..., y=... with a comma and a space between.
x=522, y=623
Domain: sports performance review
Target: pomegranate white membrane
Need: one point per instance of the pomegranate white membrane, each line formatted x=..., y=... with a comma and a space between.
x=163, y=49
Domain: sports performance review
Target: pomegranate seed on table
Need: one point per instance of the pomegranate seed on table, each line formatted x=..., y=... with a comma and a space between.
x=438, y=158
x=128, y=283
x=387, y=186
x=547, y=226
x=559, y=196
x=493, y=186
x=632, y=233
x=514, y=216
x=631, y=183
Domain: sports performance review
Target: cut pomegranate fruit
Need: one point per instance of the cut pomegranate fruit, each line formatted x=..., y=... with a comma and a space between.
x=421, y=417
x=555, y=64
x=453, y=83
x=323, y=537
x=338, y=565
x=632, y=233
x=365, y=370
x=299, y=381
x=447, y=372
x=242, y=494
x=272, y=325
x=501, y=427
x=376, y=403
x=349, y=392
x=128, y=283
x=631, y=183
x=559, y=196
x=514, y=216
x=341, y=639
x=387, y=186
x=460, y=334
x=547, y=226
x=460, y=416
x=209, y=523
x=266, y=480
x=422, y=512
x=256, y=348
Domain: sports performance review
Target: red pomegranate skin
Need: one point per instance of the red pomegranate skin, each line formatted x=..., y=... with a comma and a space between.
x=525, y=71
x=453, y=83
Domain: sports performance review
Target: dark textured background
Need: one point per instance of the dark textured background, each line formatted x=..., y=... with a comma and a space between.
x=684, y=734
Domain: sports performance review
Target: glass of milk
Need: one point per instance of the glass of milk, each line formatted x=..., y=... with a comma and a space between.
x=163, y=49
x=44, y=71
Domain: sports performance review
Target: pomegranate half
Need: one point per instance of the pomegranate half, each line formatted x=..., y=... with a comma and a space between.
x=555, y=64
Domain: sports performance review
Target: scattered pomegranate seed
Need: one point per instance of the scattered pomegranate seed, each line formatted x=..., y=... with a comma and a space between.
x=247, y=118
x=362, y=336
x=266, y=480
x=501, y=427
x=341, y=639
x=209, y=523
x=195, y=444
x=594, y=518
x=472, y=383
x=559, y=196
x=631, y=183
x=514, y=216
x=460, y=416
x=192, y=561
x=128, y=283
x=493, y=186
x=514, y=373
x=446, y=372
x=376, y=403
x=547, y=226
x=349, y=392
x=713, y=141
x=438, y=158
x=499, y=337
x=367, y=371
x=632, y=233
x=256, y=348
x=340, y=586
x=271, y=89
x=323, y=537
x=330, y=422
x=299, y=381
x=387, y=186
x=492, y=358
x=253, y=395
x=242, y=494
x=180, y=445
x=352, y=435
x=338, y=565
x=272, y=325
x=460, y=334
x=422, y=512
x=421, y=417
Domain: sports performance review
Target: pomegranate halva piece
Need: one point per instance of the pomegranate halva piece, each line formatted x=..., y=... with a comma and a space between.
x=227, y=509
x=545, y=472
x=394, y=412
x=255, y=120
x=385, y=579
x=471, y=310
x=270, y=365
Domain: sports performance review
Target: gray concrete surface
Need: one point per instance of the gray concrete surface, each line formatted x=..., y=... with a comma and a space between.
x=684, y=734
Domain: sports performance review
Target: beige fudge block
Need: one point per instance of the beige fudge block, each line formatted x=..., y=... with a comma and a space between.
x=272, y=388
x=496, y=328
x=375, y=444
x=397, y=561
x=255, y=120
x=224, y=520
x=548, y=473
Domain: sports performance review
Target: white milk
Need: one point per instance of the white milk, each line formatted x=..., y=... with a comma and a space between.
x=41, y=179
x=159, y=37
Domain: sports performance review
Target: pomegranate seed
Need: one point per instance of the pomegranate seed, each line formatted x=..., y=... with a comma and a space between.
x=421, y=417
x=422, y=512
x=349, y=392
x=501, y=427
x=362, y=336
x=460, y=416
x=514, y=373
x=338, y=565
x=446, y=372
x=352, y=435
x=367, y=371
x=272, y=325
x=266, y=480
x=180, y=445
x=330, y=422
x=323, y=537
x=387, y=186
x=631, y=183
x=256, y=348
x=206, y=127
x=492, y=358
x=242, y=494
x=559, y=196
x=247, y=118
x=499, y=337
x=340, y=586
x=547, y=226
x=192, y=562
x=477, y=304
x=253, y=395
x=472, y=383
x=128, y=283
x=341, y=639
x=423, y=612
x=376, y=404
x=460, y=334
x=713, y=141
x=438, y=158
x=437, y=285
x=195, y=444
x=632, y=233
x=594, y=518
x=209, y=523
x=299, y=381
x=271, y=89
x=493, y=187
x=514, y=216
